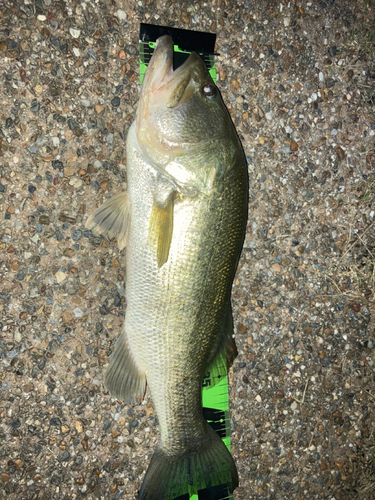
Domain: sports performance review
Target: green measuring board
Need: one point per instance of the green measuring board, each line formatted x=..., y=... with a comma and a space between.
x=215, y=395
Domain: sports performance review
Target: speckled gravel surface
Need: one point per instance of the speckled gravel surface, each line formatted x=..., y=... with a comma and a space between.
x=298, y=78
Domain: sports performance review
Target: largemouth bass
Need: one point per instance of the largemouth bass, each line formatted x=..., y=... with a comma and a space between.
x=183, y=222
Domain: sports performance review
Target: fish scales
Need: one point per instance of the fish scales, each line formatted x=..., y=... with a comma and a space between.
x=174, y=313
x=185, y=217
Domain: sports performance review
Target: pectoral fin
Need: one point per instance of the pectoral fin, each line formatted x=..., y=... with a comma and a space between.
x=112, y=218
x=161, y=229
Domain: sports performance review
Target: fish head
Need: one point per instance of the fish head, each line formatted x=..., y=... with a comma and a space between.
x=179, y=110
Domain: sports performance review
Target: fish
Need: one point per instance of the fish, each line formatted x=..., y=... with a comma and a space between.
x=182, y=221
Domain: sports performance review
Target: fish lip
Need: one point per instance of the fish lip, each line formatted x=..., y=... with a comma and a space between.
x=161, y=61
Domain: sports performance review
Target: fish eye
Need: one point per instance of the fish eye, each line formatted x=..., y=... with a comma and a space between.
x=209, y=90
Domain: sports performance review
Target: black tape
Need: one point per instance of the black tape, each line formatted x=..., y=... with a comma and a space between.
x=188, y=40
x=221, y=491
x=218, y=420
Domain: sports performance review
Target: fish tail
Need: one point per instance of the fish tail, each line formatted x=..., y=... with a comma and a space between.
x=206, y=468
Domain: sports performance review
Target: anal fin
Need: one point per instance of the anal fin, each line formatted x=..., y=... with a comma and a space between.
x=225, y=350
x=123, y=378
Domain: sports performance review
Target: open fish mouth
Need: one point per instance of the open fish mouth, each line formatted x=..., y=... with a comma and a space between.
x=168, y=85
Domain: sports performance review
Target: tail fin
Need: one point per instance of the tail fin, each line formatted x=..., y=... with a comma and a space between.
x=206, y=468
